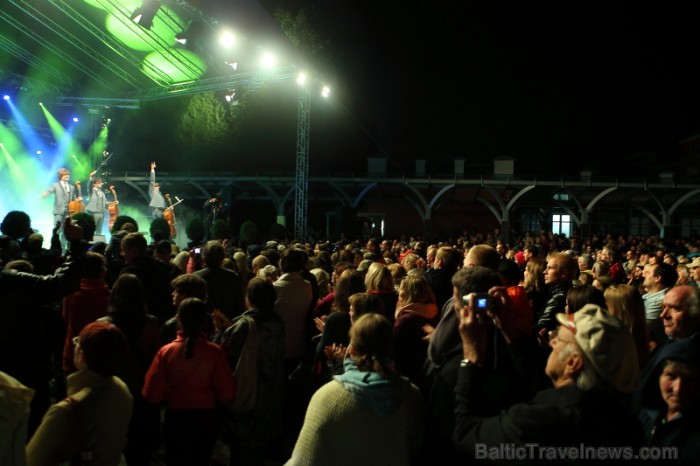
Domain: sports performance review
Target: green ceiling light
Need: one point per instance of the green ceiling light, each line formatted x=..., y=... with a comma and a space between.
x=163, y=61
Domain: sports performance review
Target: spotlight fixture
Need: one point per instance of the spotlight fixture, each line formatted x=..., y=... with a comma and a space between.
x=38, y=152
x=75, y=119
x=325, y=91
x=301, y=79
x=230, y=96
x=143, y=15
x=6, y=97
x=232, y=64
x=190, y=34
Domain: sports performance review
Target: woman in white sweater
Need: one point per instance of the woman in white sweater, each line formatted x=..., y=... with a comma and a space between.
x=368, y=415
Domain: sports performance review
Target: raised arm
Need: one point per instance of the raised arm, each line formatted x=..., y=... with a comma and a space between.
x=152, y=176
x=64, y=281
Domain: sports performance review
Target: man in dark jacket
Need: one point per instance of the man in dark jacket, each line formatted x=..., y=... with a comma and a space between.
x=558, y=276
x=154, y=275
x=439, y=276
x=224, y=287
x=24, y=324
x=592, y=365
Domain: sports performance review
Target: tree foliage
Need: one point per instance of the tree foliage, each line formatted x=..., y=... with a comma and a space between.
x=300, y=31
x=249, y=231
x=206, y=123
x=220, y=230
x=195, y=230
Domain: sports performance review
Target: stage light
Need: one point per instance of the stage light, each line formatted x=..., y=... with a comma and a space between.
x=75, y=119
x=301, y=79
x=325, y=91
x=143, y=15
x=6, y=97
x=38, y=152
x=230, y=96
x=268, y=60
x=191, y=33
x=41, y=104
x=232, y=64
x=226, y=39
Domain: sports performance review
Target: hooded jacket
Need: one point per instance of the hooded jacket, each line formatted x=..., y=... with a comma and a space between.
x=682, y=432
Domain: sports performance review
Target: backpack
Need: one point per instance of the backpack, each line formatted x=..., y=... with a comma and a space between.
x=246, y=371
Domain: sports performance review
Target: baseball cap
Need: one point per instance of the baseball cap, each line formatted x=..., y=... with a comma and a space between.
x=607, y=345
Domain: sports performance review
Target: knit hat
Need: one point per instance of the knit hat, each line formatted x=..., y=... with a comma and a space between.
x=607, y=345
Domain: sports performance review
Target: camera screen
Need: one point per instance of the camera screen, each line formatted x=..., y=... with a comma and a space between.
x=482, y=303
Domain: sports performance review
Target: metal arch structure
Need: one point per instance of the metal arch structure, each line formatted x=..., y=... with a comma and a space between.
x=525, y=196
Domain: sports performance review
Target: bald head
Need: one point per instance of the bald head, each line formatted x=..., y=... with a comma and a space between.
x=482, y=255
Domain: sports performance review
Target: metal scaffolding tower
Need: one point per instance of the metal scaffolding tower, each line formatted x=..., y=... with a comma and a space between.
x=302, y=165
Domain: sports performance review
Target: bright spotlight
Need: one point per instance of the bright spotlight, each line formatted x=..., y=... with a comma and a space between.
x=232, y=64
x=75, y=119
x=41, y=104
x=226, y=39
x=38, y=152
x=6, y=97
x=325, y=91
x=268, y=60
x=301, y=79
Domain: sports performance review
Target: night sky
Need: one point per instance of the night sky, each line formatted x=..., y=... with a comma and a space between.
x=559, y=86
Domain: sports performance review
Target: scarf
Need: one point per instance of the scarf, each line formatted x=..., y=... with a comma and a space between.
x=381, y=393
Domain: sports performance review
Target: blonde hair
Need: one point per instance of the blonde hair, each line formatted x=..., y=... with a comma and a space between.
x=625, y=303
x=379, y=278
x=417, y=290
x=410, y=261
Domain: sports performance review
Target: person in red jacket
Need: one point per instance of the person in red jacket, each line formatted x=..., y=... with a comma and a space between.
x=190, y=375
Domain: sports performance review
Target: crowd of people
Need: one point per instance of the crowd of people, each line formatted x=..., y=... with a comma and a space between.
x=378, y=351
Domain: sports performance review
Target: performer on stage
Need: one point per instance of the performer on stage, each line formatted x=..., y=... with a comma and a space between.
x=96, y=205
x=63, y=194
x=214, y=209
x=157, y=200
